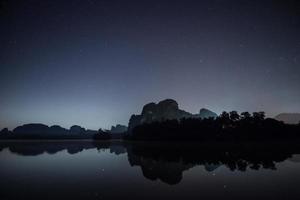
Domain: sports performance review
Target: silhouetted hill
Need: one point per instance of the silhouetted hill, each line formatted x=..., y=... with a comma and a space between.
x=58, y=130
x=31, y=130
x=118, y=129
x=165, y=110
x=5, y=131
x=76, y=130
x=289, y=118
x=41, y=131
x=102, y=135
x=205, y=113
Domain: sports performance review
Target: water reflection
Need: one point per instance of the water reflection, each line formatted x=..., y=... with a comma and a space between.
x=167, y=162
x=112, y=170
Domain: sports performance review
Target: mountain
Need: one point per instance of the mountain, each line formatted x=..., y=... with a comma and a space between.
x=205, y=113
x=289, y=118
x=57, y=130
x=31, y=129
x=118, y=129
x=165, y=110
x=41, y=131
x=75, y=129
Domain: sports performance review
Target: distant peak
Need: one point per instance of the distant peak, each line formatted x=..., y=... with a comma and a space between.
x=289, y=118
x=205, y=113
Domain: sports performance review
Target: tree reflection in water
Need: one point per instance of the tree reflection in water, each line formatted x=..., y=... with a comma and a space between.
x=168, y=161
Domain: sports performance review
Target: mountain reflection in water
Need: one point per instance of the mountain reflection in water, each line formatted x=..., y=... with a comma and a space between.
x=166, y=163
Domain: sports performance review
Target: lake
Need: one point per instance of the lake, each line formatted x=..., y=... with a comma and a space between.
x=141, y=170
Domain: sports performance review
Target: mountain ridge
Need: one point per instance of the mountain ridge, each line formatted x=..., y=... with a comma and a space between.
x=165, y=110
x=288, y=118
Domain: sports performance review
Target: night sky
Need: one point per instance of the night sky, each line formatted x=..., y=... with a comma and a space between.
x=94, y=63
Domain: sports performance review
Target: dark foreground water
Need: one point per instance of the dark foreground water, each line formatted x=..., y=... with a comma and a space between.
x=111, y=170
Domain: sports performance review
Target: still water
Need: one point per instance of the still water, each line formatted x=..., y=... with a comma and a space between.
x=112, y=170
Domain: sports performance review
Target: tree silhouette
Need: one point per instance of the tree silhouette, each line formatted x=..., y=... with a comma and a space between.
x=246, y=115
x=234, y=116
x=259, y=116
x=227, y=127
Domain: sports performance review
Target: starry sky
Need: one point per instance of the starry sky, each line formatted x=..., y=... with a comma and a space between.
x=95, y=62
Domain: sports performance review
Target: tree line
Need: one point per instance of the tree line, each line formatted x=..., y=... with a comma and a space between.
x=229, y=126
